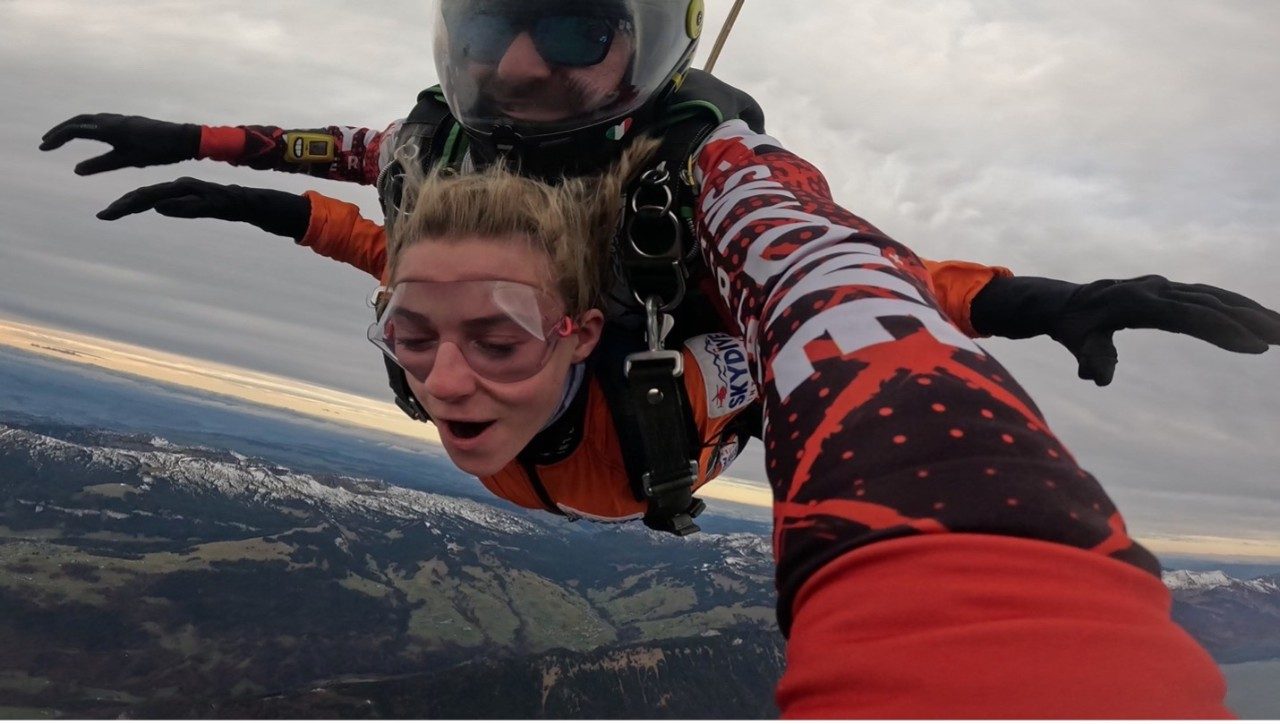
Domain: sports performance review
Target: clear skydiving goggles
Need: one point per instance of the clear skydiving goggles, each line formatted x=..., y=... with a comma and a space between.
x=506, y=331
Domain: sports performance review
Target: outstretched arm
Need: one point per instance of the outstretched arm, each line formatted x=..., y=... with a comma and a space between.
x=938, y=550
x=330, y=227
x=343, y=153
x=1083, y=317
x=990, y=301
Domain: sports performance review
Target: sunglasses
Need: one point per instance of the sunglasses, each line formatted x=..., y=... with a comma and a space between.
x=574, y=41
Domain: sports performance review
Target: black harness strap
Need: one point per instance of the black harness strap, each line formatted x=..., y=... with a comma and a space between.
x=655, y=428
x=535, y=481
x=651, y=412
x=643, y=382
x=655, y=392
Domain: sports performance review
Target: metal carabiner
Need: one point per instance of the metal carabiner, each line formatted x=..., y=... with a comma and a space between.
x=652, y=324
x=655, y=178
x=654, y=334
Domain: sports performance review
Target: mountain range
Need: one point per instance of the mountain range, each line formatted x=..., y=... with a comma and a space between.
x=1235, y=619
x=140, y=577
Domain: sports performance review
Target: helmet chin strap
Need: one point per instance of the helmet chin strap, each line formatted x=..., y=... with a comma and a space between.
x=581, y=152
x=585, y=151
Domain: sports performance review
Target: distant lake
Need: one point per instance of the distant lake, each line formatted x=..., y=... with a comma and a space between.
x=1253, y=689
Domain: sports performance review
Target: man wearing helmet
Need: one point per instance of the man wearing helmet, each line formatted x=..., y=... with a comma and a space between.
x=534, y=68
x=564, y=74
x=842, y=321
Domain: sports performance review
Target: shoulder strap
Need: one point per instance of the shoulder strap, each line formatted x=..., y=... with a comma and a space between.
x=429, y=135
x=655, y=428
x=535, y=481
x=658, y=228
x=432, y=121
x=702, y=88
x=701, y=103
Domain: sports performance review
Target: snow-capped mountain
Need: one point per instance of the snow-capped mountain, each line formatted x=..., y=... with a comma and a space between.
x=204, y=471
x=1209, y=580
x=1235, y=619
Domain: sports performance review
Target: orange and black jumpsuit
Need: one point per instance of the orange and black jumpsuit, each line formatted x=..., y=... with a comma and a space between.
x=939, y=552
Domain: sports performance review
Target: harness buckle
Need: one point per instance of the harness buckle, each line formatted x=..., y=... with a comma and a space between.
x=654, y=335
x=678, y=522
x=683, y=480
x=675, y=358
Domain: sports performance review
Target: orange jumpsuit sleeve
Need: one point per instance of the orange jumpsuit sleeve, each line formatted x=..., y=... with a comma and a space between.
x=979, y=626
x=338, y=231
x=955, y=283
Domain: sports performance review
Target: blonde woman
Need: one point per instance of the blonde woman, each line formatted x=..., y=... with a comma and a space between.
x=493, y=311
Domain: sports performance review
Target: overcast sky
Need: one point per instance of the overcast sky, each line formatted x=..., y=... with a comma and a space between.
x=1082, y=140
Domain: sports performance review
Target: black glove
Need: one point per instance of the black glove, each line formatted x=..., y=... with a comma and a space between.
x=135, y=141
x=187, y=198
x=1082, y=317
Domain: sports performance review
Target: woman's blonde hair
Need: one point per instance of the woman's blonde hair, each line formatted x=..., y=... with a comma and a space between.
x=573, y=221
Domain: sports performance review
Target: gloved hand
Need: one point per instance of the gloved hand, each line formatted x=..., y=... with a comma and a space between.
x=278, y=212
x=135, y=141
x=1083, y=317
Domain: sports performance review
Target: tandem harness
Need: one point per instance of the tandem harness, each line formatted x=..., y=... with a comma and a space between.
x=653, y=254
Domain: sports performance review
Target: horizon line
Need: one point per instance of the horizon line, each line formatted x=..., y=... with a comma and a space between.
x=270, y=390
x=334, y=406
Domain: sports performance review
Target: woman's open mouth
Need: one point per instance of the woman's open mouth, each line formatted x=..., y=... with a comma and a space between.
x=464, y=430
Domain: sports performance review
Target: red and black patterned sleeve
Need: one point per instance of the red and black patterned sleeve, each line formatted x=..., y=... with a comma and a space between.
x=928, y=525
x=342, y=153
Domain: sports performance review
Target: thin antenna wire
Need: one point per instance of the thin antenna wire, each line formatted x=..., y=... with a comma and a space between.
x=724, y=35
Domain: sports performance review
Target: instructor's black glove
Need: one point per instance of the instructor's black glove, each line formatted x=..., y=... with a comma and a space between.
x=135, y=141
x=1082, y=317
x=187, y=198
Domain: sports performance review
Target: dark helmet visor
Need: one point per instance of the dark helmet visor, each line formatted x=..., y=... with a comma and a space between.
x=542, y=67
